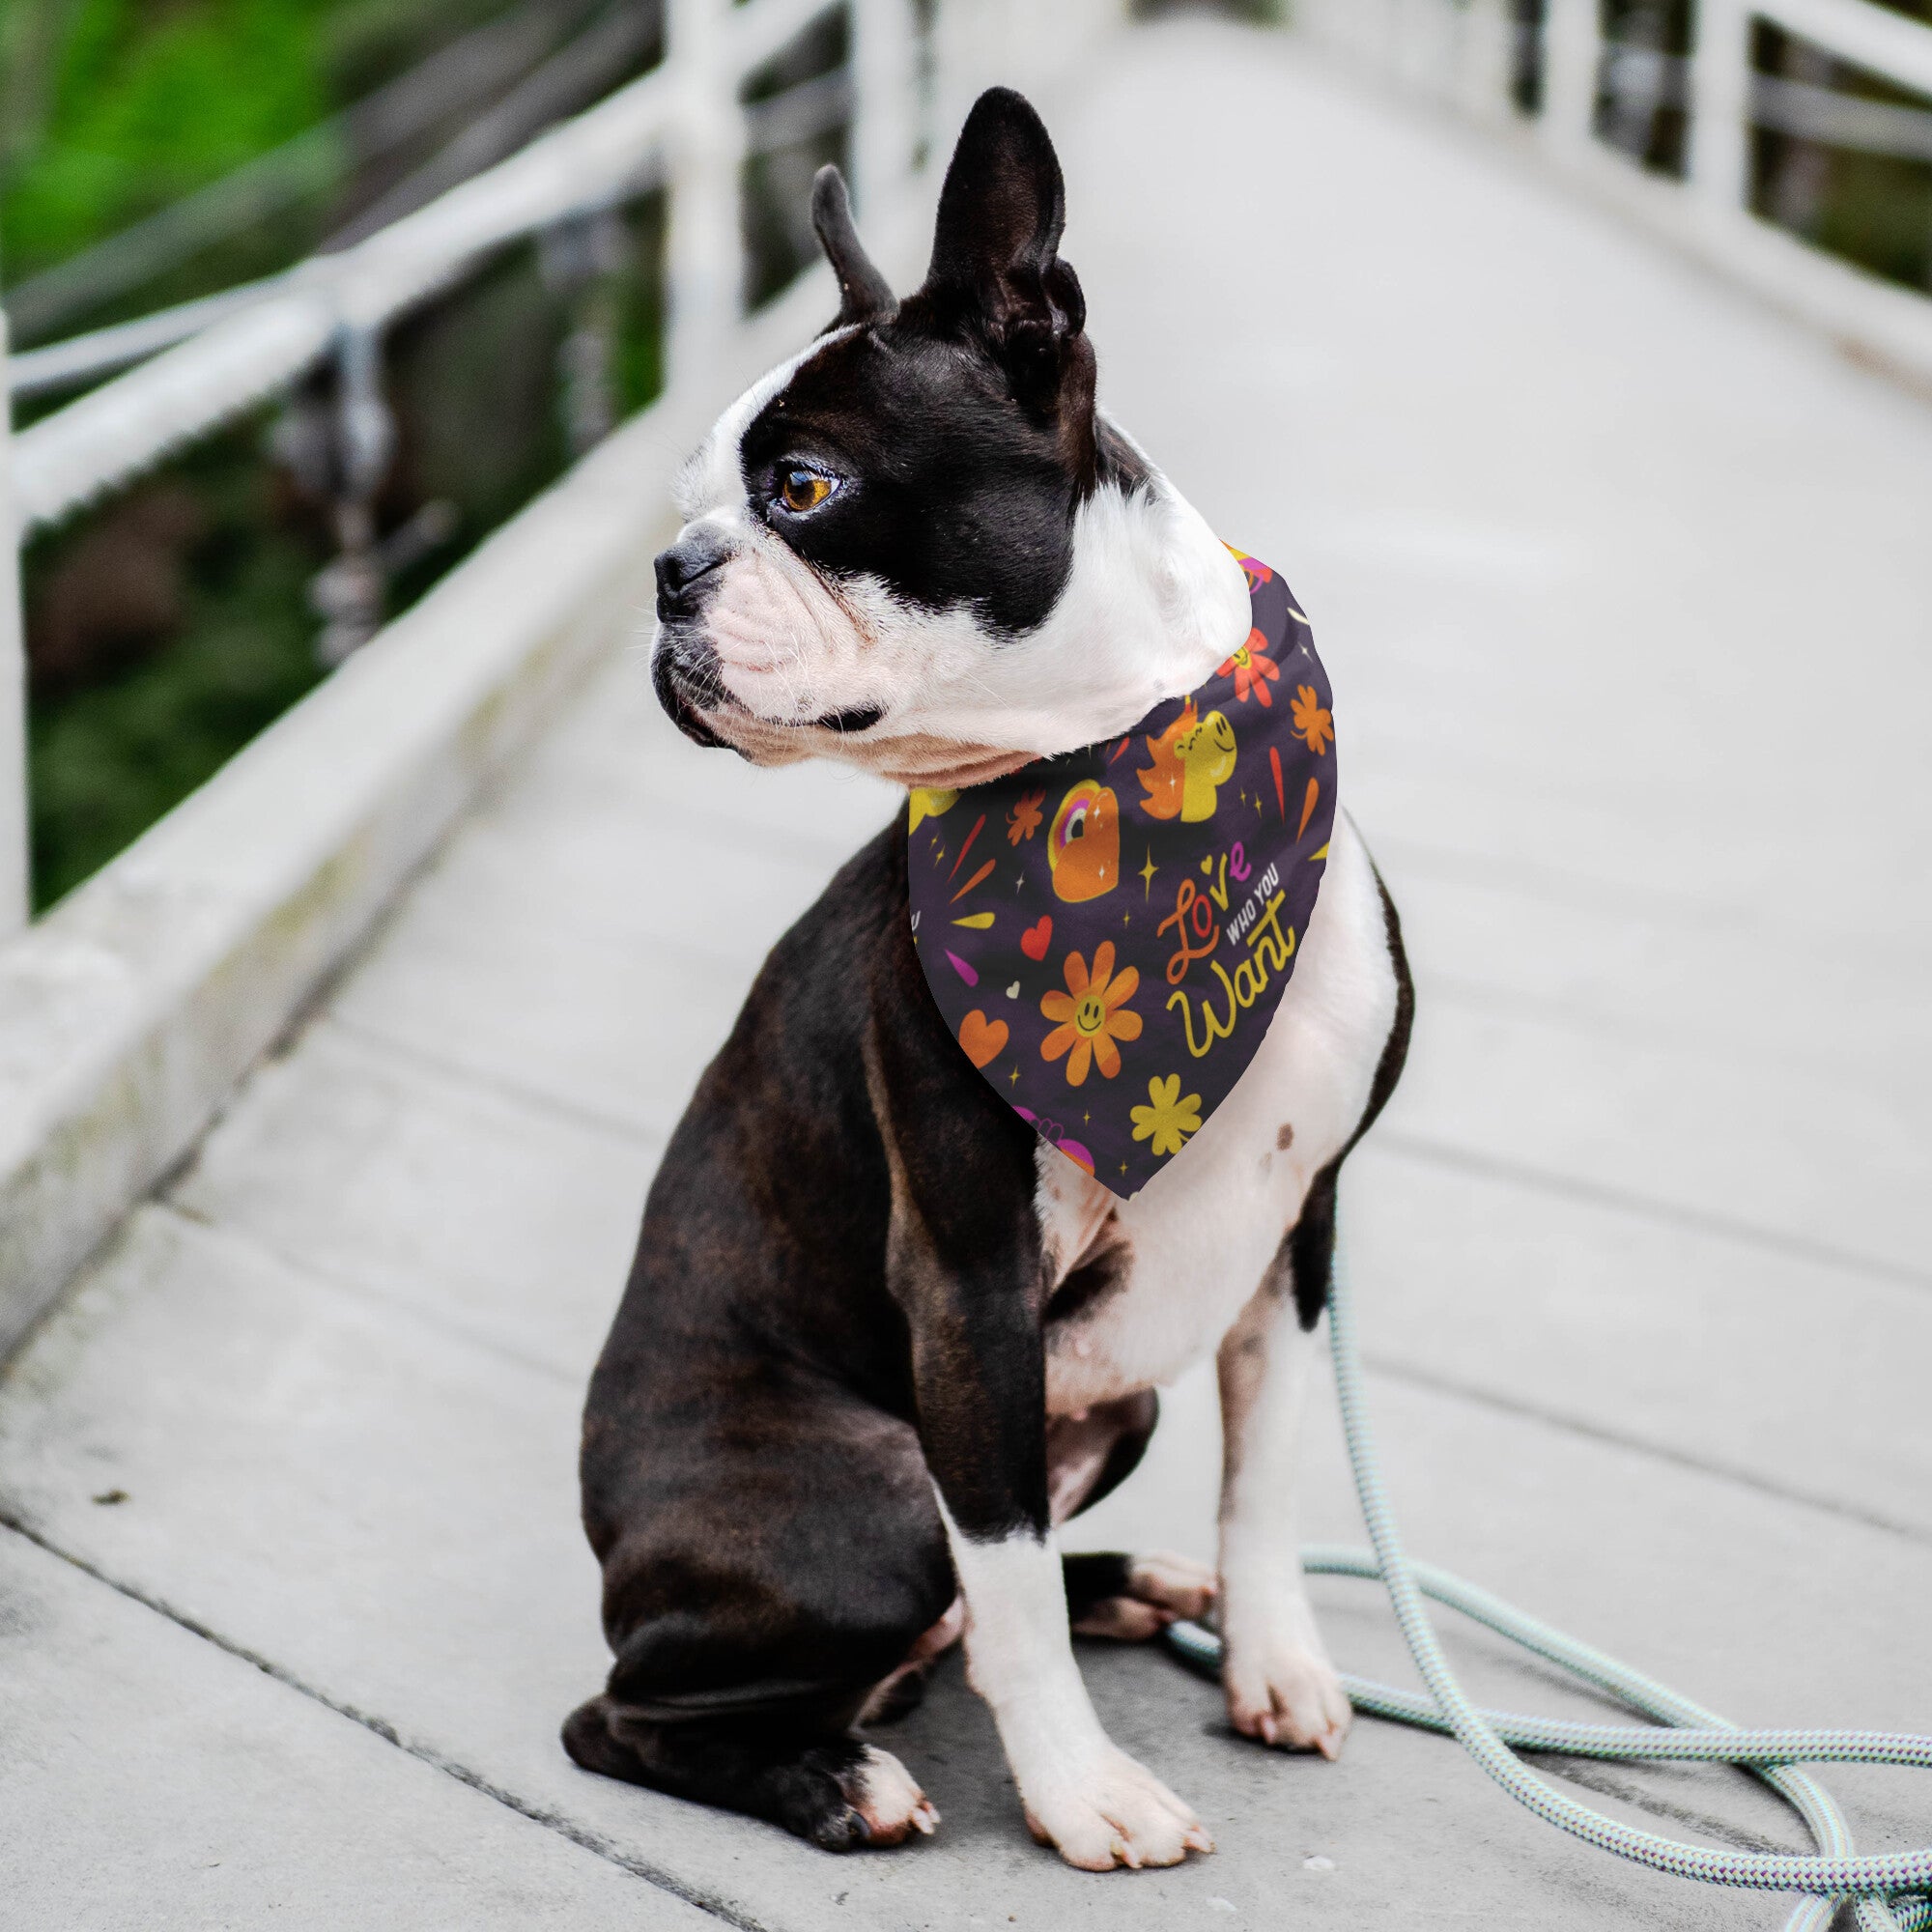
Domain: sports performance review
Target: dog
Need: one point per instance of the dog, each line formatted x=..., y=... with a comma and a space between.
x=880, y=1338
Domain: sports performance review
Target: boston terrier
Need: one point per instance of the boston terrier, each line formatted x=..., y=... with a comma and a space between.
x=881, y=1336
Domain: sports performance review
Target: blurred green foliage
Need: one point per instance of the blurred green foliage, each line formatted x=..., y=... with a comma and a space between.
x=170, y=624
x=113, y=749
x=110, y=109
x=124, y=107
x=108, y=754
x=1872, y=208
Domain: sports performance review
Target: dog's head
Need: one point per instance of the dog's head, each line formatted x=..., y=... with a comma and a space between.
x=917, y=546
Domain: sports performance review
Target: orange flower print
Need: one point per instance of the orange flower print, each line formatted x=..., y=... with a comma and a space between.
x=1252, y=669
x=1092, y=1015
x=1023, y=820
x=1312, y=726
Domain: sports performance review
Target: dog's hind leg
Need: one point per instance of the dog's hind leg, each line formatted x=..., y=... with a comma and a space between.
x=1108, y=1593
x=1131, y=1599
x=760, y=1580
x=827, y=1787
x=903, y=1692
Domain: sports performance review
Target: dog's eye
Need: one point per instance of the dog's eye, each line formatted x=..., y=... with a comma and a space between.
x=803, y=490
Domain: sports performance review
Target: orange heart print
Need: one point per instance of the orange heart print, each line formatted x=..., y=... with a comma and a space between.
x=981, y=1040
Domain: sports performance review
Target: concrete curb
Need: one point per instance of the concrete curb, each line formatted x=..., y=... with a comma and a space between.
x=131, y=1011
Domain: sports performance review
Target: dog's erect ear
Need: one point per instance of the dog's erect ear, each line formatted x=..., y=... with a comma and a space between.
x=863, y=292
x=994, y=254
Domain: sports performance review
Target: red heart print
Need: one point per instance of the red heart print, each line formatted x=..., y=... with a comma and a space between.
x=1035, y=939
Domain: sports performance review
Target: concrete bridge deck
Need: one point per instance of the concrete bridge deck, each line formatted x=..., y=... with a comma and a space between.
x=1623, y=583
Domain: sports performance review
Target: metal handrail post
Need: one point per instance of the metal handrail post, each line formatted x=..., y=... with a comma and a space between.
x=703, y=256
x=882, y=117
x=348, y=594
x=1482, y=59
x=1721, y=108
x=1573, y=49
x=14, y=879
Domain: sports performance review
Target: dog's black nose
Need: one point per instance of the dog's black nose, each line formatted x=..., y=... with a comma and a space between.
x=685, y=573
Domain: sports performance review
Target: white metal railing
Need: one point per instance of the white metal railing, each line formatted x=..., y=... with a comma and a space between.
x=14, y=882
x=682, y=125
x=611, y=152
x=1470, y=54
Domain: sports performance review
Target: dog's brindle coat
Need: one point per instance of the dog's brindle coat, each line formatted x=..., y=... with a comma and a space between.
x=879, y=1338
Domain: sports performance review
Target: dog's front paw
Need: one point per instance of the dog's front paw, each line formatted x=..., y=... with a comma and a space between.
x=1112, y=1812
x=1285, y=1693
x=878, y=1802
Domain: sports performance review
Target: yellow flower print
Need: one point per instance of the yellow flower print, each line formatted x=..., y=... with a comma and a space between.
x=1170, y=1119
x=1092, y=1015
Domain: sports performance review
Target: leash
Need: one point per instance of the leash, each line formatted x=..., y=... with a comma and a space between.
x=1882, y=1887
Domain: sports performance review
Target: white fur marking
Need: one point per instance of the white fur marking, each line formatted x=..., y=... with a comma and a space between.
x=1080, y=1791
x=1204, y=1232
x=890, y=1801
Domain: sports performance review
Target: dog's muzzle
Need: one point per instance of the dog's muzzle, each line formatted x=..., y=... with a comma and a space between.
x=685, y=669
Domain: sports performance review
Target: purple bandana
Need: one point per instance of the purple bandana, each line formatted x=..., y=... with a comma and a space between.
x=1108, y=933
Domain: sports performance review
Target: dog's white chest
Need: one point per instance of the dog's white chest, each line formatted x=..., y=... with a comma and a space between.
x=1148, y=1286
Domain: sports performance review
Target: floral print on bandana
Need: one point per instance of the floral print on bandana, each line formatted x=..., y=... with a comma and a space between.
x=1252, y=669
x=1092, y=1015
x=1167, y=1120
x=1113, y=961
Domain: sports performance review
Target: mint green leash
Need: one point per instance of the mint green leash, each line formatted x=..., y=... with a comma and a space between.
x=1879, y=1886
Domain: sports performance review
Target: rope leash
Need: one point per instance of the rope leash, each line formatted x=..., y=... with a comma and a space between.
x=1880, y=1886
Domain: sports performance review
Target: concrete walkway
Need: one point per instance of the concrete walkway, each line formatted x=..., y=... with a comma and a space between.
x=1623, y=585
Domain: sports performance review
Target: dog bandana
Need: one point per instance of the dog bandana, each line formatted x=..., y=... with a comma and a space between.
x=1108, y=933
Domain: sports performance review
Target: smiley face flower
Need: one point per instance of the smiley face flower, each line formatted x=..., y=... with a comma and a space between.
x=1171, y=1119
x=1092, y=1015
x=1252, y=669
